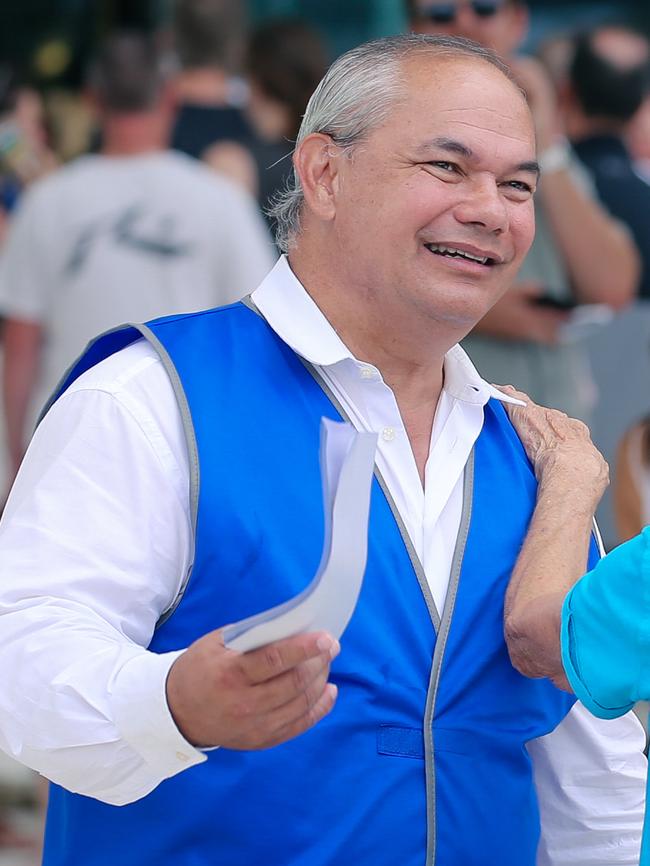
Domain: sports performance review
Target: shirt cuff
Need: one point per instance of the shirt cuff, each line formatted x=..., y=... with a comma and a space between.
x=571, y=663
x=143, y=717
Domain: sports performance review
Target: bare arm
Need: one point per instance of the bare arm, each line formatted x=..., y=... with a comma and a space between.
x=516, y=316
x=627, y=502
x=600, y=256
x=22, y=351
x=572, y=477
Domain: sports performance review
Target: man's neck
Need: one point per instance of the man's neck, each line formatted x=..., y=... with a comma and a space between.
x=204, y=85
x=400, y=343
x=401, y=347
x=133, y=134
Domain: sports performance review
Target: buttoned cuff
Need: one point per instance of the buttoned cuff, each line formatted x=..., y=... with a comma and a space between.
x=143, y=717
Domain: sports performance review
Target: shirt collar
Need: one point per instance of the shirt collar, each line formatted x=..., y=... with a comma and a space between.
x=298, y=321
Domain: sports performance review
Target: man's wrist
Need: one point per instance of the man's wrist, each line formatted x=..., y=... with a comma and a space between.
x=560, y=504
x=144, y=718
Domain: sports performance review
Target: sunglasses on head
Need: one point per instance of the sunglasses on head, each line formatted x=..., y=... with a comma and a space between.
x=445, y=13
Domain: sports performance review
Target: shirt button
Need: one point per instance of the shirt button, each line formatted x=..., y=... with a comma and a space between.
x=388, y=434
x=182, y=757
x=367, y=373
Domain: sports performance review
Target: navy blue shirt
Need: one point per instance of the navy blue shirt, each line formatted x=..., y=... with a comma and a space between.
x=623, y=192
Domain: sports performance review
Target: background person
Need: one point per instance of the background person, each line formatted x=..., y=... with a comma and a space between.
x=285, y=60
x=608, y=81
x=209, y=38
x=132, y=232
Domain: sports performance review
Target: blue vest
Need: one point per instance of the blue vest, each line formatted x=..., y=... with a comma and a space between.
x=423, y=759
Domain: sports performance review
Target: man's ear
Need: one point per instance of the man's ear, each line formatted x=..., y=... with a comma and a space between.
x=317, y=161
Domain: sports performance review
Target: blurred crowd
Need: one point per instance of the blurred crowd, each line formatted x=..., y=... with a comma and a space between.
x=149, y=192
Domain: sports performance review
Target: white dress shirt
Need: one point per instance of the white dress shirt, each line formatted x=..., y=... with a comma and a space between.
x=96, y=540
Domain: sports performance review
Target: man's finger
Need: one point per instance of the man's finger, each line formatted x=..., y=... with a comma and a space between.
x=274, y=659
x=278, y=691
x=305, y=719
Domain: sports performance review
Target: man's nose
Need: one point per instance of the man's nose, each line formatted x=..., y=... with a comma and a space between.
x=484, y=206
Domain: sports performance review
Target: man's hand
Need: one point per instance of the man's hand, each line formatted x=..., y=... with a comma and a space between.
x=253, y=700
x=572, y=476
x=516, y=316
x=560, y=448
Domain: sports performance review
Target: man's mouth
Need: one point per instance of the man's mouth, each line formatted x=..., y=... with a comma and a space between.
x=457, y=253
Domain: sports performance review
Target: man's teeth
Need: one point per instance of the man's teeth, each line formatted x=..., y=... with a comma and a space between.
x=451, y=251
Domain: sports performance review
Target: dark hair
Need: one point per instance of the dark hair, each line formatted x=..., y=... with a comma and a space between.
x=126, y=74
x=208, y=32
x=287, y=59
x=602, y=88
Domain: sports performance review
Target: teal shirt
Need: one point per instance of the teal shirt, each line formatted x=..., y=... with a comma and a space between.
x=606, y=636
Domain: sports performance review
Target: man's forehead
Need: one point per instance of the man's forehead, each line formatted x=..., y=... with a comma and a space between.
x=446, y=79
x=459, y=100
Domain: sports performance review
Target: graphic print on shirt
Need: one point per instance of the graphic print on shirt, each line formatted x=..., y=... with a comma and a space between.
x=150, y=234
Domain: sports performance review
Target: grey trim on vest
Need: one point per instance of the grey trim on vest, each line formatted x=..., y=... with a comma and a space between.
x=410, y=549
x=438, y=655
x=247, y=301
x=441, y=626
x=406, y=538
x=55, y=393
x=188, y=426
x=192, y=450
x=408, y=544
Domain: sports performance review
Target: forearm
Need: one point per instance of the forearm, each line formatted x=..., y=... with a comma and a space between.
x=22, y=349
x=94, y=543
x=91, y=714
x=553, y=557
x=602, y=261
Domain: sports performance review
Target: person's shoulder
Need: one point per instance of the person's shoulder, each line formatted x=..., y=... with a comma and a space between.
x=48, y=191
x=136, y=367
x=71, y=172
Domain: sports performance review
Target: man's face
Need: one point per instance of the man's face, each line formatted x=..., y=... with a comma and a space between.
x=434, y=210
x=498, y=24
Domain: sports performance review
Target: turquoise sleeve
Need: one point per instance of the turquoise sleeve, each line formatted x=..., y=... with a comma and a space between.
x=605, y=631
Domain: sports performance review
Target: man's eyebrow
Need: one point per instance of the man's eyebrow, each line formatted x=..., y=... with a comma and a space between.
x=532, y=166
x=448, y=144
x=451, y=145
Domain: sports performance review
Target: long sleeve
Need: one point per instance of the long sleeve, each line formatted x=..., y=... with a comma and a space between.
x=590, y=776
x=94, y=543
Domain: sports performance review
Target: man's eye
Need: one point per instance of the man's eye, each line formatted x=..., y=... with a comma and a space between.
x=520, y=186
x=445, y=166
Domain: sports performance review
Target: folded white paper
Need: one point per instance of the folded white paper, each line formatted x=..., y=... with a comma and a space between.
x=347, y=459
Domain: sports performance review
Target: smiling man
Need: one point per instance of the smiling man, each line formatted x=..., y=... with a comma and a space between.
x=581, y=254
x=410, y=212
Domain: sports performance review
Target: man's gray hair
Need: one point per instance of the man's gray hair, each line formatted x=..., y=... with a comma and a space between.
x=355, y=97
